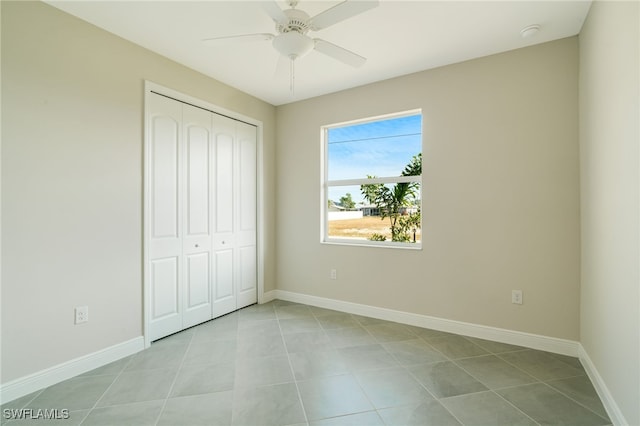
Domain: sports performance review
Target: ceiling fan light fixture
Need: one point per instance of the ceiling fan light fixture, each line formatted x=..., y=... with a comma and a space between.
x=293, y=45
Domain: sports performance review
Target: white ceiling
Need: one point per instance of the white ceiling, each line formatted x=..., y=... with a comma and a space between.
x=397, y=37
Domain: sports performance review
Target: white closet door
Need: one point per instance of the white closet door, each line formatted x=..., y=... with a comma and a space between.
x=246, y=208
x=165, y=216
x=196, y=245
x=200, y=212
x=224, y=288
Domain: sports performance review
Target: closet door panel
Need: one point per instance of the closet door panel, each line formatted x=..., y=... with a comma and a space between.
x=164, y=276
x=246, y=195
x=224, y=140
x=164, y=181
x=225, y=292
x=247, y=276
x=224, y=299
x=196, y=245
x=198, y=290
x=165, y=229
x=165, y=297
x=247, y=176
x=198, y=185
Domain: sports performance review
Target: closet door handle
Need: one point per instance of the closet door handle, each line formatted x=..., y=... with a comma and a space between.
x=197, y=246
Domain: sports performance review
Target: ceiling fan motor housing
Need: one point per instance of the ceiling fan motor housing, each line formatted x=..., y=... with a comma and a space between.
x=298, y=22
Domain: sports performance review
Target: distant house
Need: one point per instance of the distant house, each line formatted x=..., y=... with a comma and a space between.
x=375, y=211
x=369, y=210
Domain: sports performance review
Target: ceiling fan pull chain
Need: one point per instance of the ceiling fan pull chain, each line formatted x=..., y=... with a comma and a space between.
x=292, y=78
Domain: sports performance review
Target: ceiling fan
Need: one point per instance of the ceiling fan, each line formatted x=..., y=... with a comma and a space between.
x=293, y=25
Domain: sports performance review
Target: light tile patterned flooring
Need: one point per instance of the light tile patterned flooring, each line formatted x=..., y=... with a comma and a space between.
x=289, y=364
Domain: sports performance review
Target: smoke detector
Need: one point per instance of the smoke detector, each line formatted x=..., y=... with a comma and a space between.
x=530, y=31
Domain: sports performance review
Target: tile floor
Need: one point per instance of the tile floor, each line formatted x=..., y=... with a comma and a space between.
x=289, y=364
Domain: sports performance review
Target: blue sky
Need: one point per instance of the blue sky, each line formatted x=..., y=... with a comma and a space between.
x=381, y=148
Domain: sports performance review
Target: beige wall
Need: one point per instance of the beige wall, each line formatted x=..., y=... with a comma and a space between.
x=72, y=143
x=501, y=195
x=610, y=185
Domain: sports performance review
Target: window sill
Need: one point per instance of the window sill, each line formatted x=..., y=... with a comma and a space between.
x=375, y=244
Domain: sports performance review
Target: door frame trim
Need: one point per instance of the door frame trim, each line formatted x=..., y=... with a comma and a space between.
x=150, y=87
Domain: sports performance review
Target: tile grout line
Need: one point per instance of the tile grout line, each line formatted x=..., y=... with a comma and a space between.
x=514, y=406
x=95, y=404
x=24, y=406
x=446, y=359
x=519, y=368
x=454, y=361
x=349, y=371
x=537, y=381
x=293, y=373
x=489, y=389
x=435, y=398
x=414, y=377
x=364, y=392
x=571, y=399
x=545, y=382
x=175, y=378
x=494, y=391
x=235, y=365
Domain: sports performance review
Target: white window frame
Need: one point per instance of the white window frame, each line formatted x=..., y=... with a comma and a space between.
x=326, y=184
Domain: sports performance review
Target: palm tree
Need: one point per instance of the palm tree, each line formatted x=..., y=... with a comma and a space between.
x=391, y=201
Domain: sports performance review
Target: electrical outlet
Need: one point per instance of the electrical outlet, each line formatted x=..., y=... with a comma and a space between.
x=82, y=314
x=333, y=274
x=516, y=297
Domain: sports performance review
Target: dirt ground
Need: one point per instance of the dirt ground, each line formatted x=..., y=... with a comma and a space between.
x=362, y=228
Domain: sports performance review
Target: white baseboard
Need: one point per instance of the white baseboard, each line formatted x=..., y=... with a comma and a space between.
x=533, y=341
x=58, y=373
x=268, y=296
x=615, y=415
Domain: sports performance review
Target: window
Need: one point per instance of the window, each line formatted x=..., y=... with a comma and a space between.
x=372, y=181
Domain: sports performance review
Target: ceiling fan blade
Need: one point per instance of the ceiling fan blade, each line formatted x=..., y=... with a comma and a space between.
x=340, y=12
x=242, y=38
x=273, y=10
x=339, y=53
